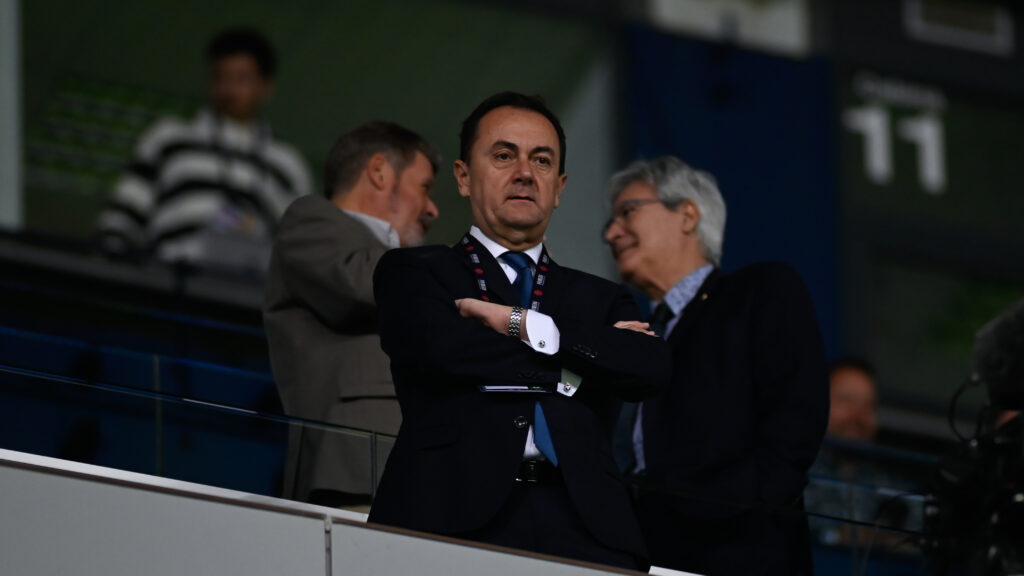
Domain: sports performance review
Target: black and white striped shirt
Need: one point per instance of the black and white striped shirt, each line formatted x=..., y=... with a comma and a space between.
x=191, y=179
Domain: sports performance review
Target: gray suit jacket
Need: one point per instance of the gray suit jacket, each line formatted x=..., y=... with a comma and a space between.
x=321, y=324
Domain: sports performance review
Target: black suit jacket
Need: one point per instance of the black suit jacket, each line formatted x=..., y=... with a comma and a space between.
x=458, y=451
x=742, y=420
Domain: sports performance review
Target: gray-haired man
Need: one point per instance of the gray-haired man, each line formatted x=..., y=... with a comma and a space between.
x=729, y=442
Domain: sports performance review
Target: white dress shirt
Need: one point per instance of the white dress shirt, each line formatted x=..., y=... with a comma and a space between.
x=540, y=328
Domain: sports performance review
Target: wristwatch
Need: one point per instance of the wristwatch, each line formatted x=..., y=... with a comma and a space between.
x=515, y=320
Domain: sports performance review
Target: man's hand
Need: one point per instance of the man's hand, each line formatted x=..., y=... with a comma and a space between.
x=636, y=326
x=495, y=316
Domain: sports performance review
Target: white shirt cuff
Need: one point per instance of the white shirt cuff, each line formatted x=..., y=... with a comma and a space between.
x=544, y=335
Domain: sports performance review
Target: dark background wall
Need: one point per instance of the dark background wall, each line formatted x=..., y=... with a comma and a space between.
x=762, y=126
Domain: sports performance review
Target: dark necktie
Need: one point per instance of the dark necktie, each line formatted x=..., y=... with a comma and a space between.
x=523, y=286
x=622, y=443
x=660, y=318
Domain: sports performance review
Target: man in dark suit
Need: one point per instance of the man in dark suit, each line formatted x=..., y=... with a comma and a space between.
x=724, y=450
x=509, y=368
x=319, y=311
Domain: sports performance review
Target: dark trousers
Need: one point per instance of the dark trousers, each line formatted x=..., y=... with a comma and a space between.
x=751, y=543
x=540, y=518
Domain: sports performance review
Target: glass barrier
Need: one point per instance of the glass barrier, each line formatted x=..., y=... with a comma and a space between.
x=870, y=484
x=843, y=539
x=153, y=310
x=206, y=381
x=140, y=429
x=213, y=425
x=866, y=549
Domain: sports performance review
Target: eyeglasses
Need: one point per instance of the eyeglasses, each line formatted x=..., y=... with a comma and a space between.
x=622, y=212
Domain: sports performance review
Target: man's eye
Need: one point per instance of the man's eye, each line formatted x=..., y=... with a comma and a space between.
x=503, y=156
x=544, y=160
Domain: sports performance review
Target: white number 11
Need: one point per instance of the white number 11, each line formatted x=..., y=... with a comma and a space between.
x=924, y=130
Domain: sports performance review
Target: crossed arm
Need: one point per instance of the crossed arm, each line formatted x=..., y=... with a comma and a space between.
x=426, y=327
x=496, y=317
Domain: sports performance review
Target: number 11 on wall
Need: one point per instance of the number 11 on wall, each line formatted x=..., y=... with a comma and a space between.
x=924, y=131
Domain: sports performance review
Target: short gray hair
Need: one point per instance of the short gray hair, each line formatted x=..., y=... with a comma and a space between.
x=675, y=183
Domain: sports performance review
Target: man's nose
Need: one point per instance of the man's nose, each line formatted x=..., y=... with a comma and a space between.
x=524, y=171
x=431, y=212
x=612, y=230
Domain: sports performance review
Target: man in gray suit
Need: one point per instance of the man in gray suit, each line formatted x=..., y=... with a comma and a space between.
x=319, y=310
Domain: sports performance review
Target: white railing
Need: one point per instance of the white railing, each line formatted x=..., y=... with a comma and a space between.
x=61, y=517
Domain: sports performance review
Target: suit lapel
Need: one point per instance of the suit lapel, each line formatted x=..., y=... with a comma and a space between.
x=696, y=306
x=554, y=287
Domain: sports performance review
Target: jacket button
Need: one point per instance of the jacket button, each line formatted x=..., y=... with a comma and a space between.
x=520, y=422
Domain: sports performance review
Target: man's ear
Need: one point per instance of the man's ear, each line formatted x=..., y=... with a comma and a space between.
x=461, y=171
x=562, y=179
x=379, y=172
x=691, y=216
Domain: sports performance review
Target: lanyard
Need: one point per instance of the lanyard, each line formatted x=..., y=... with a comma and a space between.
x=539, y=278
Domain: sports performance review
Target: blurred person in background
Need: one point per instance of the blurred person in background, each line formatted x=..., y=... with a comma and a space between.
x=854, y=400
x=853, y=480
x=209, y=191
x=319, y=310
x=721, y=455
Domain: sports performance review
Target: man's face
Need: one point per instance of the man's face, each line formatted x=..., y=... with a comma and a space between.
x=237, y=87
x=643, y=232
x=512, y=178
x=412, y=209
x=853, y=405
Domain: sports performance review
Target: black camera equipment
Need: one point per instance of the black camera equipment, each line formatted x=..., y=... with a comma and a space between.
x=974, y=515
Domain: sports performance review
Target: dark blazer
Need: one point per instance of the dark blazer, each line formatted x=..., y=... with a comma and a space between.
x=321, y=324
x=741, y=423
x=458, y=452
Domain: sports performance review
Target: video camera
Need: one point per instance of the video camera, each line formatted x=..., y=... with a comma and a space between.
x=974, y=515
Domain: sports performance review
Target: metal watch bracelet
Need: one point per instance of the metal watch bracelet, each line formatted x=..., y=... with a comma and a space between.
x=515, y=320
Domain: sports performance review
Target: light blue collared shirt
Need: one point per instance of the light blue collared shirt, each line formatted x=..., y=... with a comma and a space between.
x=677, y=298
x=680, y=295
